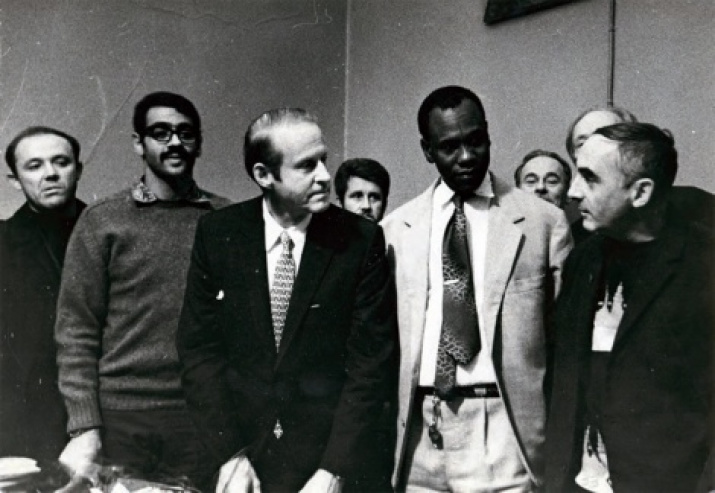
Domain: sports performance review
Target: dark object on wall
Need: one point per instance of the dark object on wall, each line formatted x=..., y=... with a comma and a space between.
x=501, y=10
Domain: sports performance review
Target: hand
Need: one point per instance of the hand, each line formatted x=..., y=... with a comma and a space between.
x=77, y=484
x=238, y=476
x=81, y=453
x=323, y=482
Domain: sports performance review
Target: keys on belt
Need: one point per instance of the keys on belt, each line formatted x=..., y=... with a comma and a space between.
x=434, y=435
x=489, y=390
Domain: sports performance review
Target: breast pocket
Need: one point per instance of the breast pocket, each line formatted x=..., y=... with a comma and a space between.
x=526, y=284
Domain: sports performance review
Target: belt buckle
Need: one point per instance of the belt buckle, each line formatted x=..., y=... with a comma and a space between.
x=479, y=391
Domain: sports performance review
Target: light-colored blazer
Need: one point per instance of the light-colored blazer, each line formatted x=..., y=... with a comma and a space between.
x=527, y=243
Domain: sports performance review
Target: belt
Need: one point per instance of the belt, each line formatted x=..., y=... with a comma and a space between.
x=466, y=392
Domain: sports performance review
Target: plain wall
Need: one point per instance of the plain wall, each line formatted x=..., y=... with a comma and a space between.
x=81, y=65
x=535, y=75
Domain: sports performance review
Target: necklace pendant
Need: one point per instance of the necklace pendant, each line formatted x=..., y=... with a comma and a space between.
x=278, y=430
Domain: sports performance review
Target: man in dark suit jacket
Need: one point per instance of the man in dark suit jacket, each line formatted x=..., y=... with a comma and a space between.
x=633, y=365
x=45, y=167
x=287, y=331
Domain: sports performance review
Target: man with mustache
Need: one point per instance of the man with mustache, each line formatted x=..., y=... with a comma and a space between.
x=120, y=302
x=287, y=332
x=44, y=165
x=477, y=265
x=362, y=186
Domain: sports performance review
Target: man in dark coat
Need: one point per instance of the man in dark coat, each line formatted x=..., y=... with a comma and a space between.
x=632, y=397
x=288, y=329
x=45, y=166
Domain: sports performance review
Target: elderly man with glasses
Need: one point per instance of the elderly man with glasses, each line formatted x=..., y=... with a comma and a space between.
x=119, y=307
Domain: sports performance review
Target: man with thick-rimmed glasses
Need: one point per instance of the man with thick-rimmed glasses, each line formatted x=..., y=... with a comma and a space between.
x=119, y=307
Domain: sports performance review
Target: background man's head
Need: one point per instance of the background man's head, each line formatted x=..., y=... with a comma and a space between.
x=362, y=186
x=545, y=174
x=167, y=134
x=455, y=137
x=45, y=166
x=625, y=172
x=591, y=120
x=285, y=155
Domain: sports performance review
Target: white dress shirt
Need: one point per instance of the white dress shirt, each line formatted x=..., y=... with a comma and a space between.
x=273, y=232
x=476, y=209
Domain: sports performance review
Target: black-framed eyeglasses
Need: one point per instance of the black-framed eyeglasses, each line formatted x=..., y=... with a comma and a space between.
x=162, y=133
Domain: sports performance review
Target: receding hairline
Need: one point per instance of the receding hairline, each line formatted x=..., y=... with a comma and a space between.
x=11, y=149
x=25, y=138
x=614, y=145
x=542, y=157
x=263, y=132
x=616, y=117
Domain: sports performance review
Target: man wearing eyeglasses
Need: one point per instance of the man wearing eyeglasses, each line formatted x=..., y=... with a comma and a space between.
x=119, y=307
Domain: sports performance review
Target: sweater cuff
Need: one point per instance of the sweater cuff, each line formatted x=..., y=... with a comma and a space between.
x=83, y=413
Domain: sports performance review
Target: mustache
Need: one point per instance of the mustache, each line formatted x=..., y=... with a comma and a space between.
x=177, y=150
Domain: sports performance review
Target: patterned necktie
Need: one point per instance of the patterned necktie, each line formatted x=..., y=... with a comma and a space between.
x=459, y=341
x=282, y=287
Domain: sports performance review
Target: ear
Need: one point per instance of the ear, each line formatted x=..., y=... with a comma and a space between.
x=138, y=144
x=427, y=150
x=641, y=192
x=14, y=182
x=263, y=175
x=80, y=168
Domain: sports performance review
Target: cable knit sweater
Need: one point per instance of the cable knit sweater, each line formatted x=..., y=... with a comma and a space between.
x=119, y=305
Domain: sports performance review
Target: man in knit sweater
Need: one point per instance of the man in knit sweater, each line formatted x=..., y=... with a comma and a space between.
x=119, y=307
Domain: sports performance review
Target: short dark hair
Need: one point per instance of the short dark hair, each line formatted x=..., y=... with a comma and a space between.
x=365, y=168
x=167, y=100
x=646, y=151
x=444, y=98
x=623, y=114
x=539, y=153
x=257, y=145
x=10, y=157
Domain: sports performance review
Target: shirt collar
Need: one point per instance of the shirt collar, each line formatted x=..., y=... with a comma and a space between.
x=443, y=194
x=273, y=230
x=142, y=194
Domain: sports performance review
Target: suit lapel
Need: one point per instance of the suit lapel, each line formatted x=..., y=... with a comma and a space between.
x=252, y=249
x=583, y=288
x=416, y=241
x=655, y=277
x=317, y=253
x=503, y=242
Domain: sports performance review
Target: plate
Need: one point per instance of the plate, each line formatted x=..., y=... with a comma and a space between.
x=17, y=467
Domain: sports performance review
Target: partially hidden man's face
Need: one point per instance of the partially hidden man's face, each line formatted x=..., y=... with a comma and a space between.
x=544, y=176
x=458, y=144
x=176, y=157
x=365, y=198
x=602, y=191
x=587, y=125
x=302, y=184
x=47, y=171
